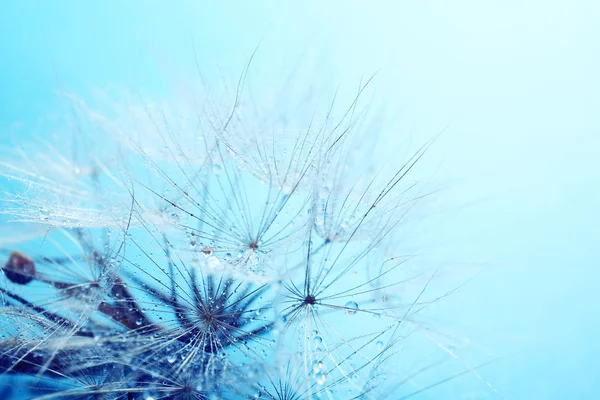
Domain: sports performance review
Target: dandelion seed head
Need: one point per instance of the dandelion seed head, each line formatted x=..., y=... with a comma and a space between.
x=217, y=245
x=310, y=300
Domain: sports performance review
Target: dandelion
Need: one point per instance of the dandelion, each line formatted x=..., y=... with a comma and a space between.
x=219, y=252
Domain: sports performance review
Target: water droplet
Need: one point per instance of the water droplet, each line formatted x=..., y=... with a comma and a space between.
x=317, y=340
x=351, y=307
x=379, y=345
x=322, y=378
x=257, y=395
x=317, y=366
x=138, y=321
x=44, y=214
x=377, y=316
x=207, y=251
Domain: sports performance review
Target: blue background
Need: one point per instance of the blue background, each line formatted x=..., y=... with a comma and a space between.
x=515, y=82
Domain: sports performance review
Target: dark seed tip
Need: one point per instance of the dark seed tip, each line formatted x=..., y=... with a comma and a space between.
x=19, y=268
x=310, y=299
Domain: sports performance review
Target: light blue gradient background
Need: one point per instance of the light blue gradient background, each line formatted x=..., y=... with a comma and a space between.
x=516, y=82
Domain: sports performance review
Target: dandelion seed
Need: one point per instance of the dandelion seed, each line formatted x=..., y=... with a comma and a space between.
x=19, y=268
x=217, y=259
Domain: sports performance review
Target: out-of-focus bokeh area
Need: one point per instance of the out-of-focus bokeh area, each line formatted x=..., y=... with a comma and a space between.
x=514, y=84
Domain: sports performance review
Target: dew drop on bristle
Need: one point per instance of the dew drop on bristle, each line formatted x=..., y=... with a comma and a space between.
x=351, y=307
x=19, y=268
x=207, y=251
x=44, y=214
x=318, y=366
x=321, y=378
